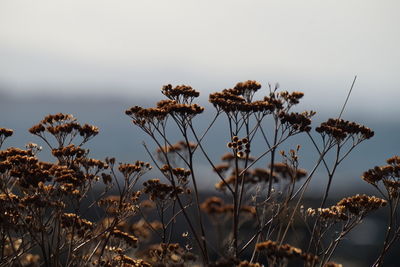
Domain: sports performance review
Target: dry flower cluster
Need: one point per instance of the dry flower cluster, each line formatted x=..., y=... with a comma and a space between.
x=46, y=208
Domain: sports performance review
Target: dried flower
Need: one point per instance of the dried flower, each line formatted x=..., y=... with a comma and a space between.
x=361, y=204
x=128, y=238
x=286, y=251
x=340, y=129
x=248, y=264
x=124, y=260
x=4, y=134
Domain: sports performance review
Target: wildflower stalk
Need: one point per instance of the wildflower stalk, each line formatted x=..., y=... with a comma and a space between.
x=301, y=190
x=203, y=234
x=198, y=240
x=391, y=234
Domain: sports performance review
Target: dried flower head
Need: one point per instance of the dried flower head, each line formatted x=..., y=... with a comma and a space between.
x=285, y=171
x=340, y=129
x=248, y=264
x=142, y=228
x=180, y=93
x=64, y=128
x=161, y=191
x=299, y=122
x=216, y=206
x=334, y=213
x=129, y=239
x=291, y=98
x=229, y=157
x=75, y=224
x=361, y=204
x=4, y=134
x=124, y=260
x=129, y=169
x=248, y=177
x=286, y=251
x=147, y=118
x=389, y=174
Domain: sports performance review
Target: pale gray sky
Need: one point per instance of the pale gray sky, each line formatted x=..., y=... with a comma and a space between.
x=137, y=46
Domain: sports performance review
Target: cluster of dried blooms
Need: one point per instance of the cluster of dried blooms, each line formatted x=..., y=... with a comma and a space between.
x=297, y=121
x=340, y=129
x=216, y=206
x=241, y=146
x=249, y=264
x=179, y=106
x=161, y=191
x=123, y=260
x=178, y=147
x=114, y=205
x=180, y=93
x=172, y=254
x=143, y=229
x=128, y=169
x=4, y=133
x=347, y=213
x=230, y=158
x=239, y=99
x=334, y=213
x=44, y=205
x=64, y=128
x=389, y=174
x=129, y=239
x=358, y=205
x=277, y=252
x=81, y=227
x=388, y=177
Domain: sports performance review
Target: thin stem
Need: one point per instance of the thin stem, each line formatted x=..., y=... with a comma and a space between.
x=348, y=96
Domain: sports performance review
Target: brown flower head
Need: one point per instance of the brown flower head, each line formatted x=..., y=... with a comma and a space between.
x=215, y=206
x=180, y=93
x=81, y=226
x=160, y=191
x=334, y=213
x=272, y=248
x=247, y=89
x=4, y=133
x=248, y=264
x=361, y=204
x=299, y=122
x=129, y=169
x=129, y=239
x=64, y=128
x=285, y=171
x=123, y=260
x=340, y=129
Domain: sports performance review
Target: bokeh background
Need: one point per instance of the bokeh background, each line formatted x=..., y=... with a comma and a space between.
x=96, y=58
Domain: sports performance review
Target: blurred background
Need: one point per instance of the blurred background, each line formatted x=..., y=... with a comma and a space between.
x=96, y=58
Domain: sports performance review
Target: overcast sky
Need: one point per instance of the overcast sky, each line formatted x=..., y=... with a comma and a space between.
x=134, y=47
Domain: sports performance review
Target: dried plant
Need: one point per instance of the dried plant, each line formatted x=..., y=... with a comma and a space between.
x=257, y=207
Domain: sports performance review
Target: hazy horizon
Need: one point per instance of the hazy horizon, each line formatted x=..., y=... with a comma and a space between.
x=132, y=48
